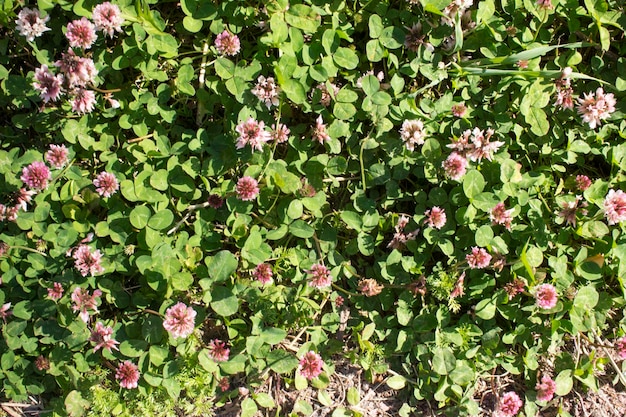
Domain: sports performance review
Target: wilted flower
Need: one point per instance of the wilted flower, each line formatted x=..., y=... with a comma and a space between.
x=326, y=97
x=267, y=91
x=30, y=24
x=128, y=375
x=4, y=248
x=564, y=90
x=570, y=209
x=179, y=320
x=23, y=197
x=500, y=215
x=101, y=335
x=79, y=71
x=227, y=43
x=435, y=217
x=546, y=296
x=42, y=363
x=615, y=206
x=412, y=133
x=319, y=131
x=87, y=262
x=479, y=258
x=263, y=273
x=224, y=385
x=252, y=132
x=279, y=133
x=545, y=388
x=36, y=176
x=456, y=7
x=57, y=156
x=620, y=346
x=81, y=33
x=320, y=276
x=509, y=405
x=106, y=184
x=247, y=188
x=83, y=101
x=458, y=289
x=5, y=311
x=83, y=301
x=215, y=201
x=56, y=292
x=595, y=108
x=455, y=166
x=369, y=287
x=108, y=18
x=515, y=287
x=218, y=350
x=9, y=213
x=414, y=39
x=310, y=365
x=48, y=84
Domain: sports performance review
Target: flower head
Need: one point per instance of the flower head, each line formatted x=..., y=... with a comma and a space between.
x=320, y=276
x=435, y=217
x=83, y=301
x=128, y=375
x=79, y=71
x=318, y=132
x=81, y=33
x=48, y=84
x=458, y=289
x=108, y=18
x=615, y=206
x=414, y=39
x=180, y=320
x=620, y=346
x=101, y=335
x=252, y=132
x=455, y=166
x=515, y=287
x=582, y=182
x=570, y=209
x=5, y=311
x=106, y=184
x=267, y=91
x=57, y=156
x=87, y=262
x=459, y=110
x=215, y=201
x=30, y=24
x=36, y=176
x=546, y=296
x=83, y=101
x=247, y=188
x=479, y=258
x=42, y=363
x=279, y=133
x=263, y=273
x=218, y=350
x=227, y=43
x=56, y=292
x=509, y=405
x=596, y=107
x=412, y=133
x=500, y=215
x=545, y=388
x=545, y=4
x=310, y=365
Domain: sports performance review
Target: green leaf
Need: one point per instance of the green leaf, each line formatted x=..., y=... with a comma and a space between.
x=161, y=220
x=486, y=309
x=375, y=25
x=294, y=91
x=564, y=383
x=264, y=400
x=192, y=25
x=586, y=299
x=300, y=228
x=75, y=404
x=370, y=85
x=392, y=37
x=224, y=302
x=139, y=216
x=443, y=360
x=346, y=58
x=353, y=396
x=538, y=121
x=344, y=111
x=158, y=354
x=473, y=183
x=248, y=408
x=396, y=382
x=273, y=335
x=221, y=266
x=374, y=50
x=281, y=362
